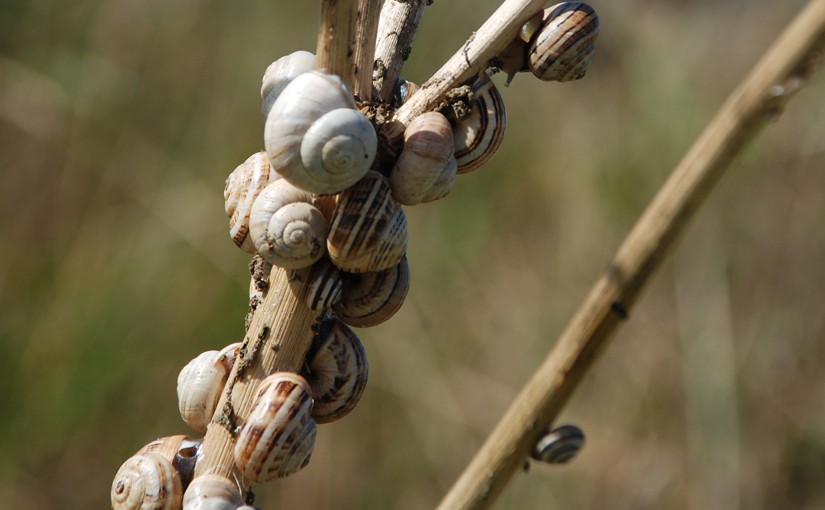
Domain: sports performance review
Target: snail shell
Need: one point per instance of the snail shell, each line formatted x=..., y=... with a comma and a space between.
x=479, y=135
x=404, y=91
x=324, y=287
x=279, y=73
x=559, y=445
x=338, y=373
x=240, y=191
x=285, y=226
x=315, y=138
x=212, y=492
x=279, y=435
x=200, y=384
x=563, y=48
x=426, y=169
x=369, y=229
x=368, y=299
x=182, y=451
x=147, y=481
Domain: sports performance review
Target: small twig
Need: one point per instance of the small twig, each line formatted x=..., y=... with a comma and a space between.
x=399, y=23
x=336, y=47
x=472, y=58
x=758, y=100
x=368, y=12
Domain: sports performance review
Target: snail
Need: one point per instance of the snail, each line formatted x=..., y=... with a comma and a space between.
x=556, y=44
x=559, y=445
x=314, y=136
x=279, y=434
x=337, y=372
x=403, y=91
x=368, y=299
x=479, y=135
x=242, y=187
x=286, y=227
x=212, y=492
x=200, y=384
x=426, y=169
x=369, y=229
x=325, y=285
x=155, y=477
x=279, y=73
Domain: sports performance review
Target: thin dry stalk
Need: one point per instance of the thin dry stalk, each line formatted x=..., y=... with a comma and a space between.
x=368, y=13
x=397, y=28
x=760, y=98
x=280, y=331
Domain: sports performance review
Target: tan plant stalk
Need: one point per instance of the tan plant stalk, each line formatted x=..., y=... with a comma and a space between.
x=368, y=13
x=280, y=332
x=759, y=99
x=396, y=31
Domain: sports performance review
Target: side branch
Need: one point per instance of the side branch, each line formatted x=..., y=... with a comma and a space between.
x=758, y=100
x=399, y=23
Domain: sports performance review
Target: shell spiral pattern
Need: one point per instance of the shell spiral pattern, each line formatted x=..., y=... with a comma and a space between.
x=563, y=48
x=242, y=187
x=479, y=136
x=147, y=481
x=368, y=299
x=279, y=73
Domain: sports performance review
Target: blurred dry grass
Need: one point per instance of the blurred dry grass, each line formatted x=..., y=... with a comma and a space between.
x=119, y=122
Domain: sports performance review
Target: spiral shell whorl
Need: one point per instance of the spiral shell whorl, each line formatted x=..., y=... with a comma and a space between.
x=242, y=187
x=347, y=140
x=279, y=73
x=199, y=387
x=338, y=373
x=147, y=481
x=279, y=434
x=479, y=136
x=286, y=228
x=368, y=299
x=212, y=492
x=563, y=48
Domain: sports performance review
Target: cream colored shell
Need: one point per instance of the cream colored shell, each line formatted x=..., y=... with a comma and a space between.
x=278, y=436
x=212, y=492
x=286, y=227
x=315, y=138
x=369, y=229
x=242, y=187
x=279, y=73
x=147, y=481
x=426, y=169
x=200, y=384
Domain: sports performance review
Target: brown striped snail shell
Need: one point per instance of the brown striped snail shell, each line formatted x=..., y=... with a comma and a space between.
x=278, y=436
x=563, y=47
x=314, y=136
x=368, y=299
x=369, y=229
x=426, y=169
x=155, y=477
x=479, y=135
x=242, y=187
x=338, y=372
x=559, y=445
x=279, y=73
x=212, y=492
x=200, y=384
x=286, y=227
x=325, y=285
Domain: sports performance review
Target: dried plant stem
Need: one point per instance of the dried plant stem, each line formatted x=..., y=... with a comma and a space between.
x=368, y=13
x=758, y=100
x=280, y=332
x=399, y=23
x=473, y=57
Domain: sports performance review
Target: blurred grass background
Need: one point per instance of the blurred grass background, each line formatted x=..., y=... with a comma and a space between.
x=120, y=120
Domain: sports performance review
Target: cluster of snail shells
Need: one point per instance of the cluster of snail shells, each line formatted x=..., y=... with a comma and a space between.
x=556, y=44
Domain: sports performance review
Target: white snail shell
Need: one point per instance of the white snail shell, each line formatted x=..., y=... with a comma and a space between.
x=147, y=481
x=200, y=384
x=324, y=285
x=368, y=299
x=369, y=229
x=479, y=135
x=315, y=138
x=240, y=191
x=212, y=492
x=279, y=434
x=560, y=445
x=286, y=227
x=563, y=47
x=279, y=73
x=181, y=450
x=338, y=372
x=426, y=169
